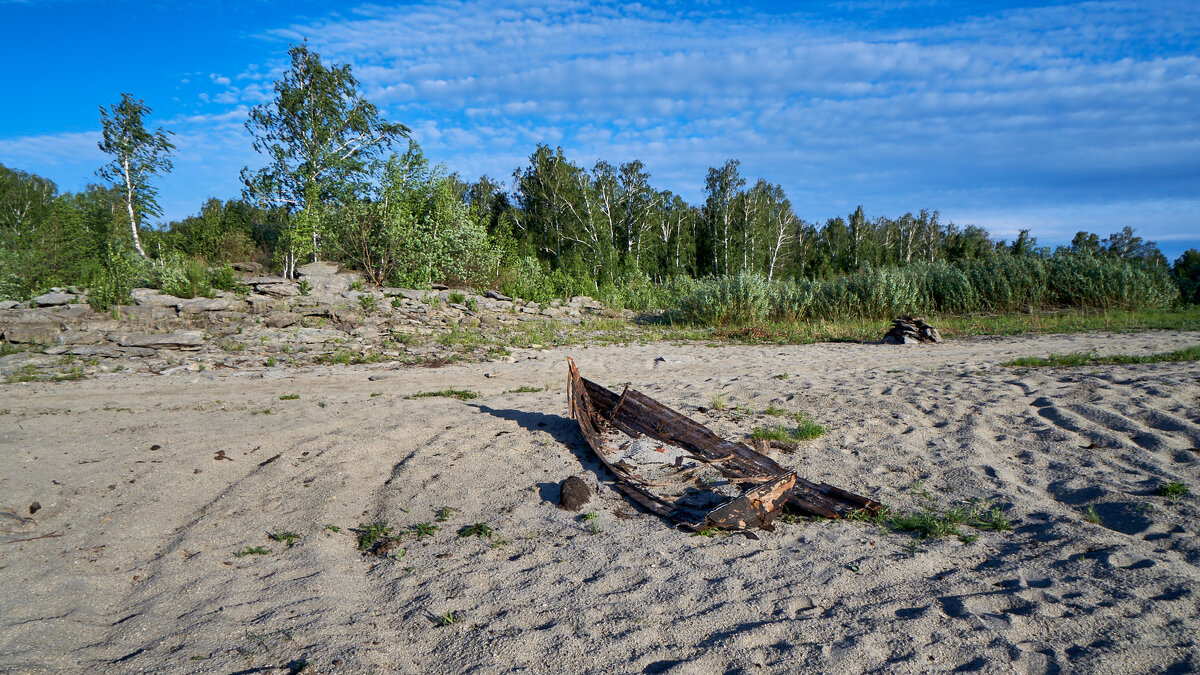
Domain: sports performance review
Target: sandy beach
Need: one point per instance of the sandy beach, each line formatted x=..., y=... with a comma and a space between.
x=146, y=487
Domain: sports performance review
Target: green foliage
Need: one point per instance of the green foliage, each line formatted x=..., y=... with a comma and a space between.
x=348, y=357
x=371, y=535
x=289, y=397
x=119, y=275
x=444, y=514
x=367, y=302
x=425, y=529
x=481, y=530
x=322, y=139
x=137, y=155
x=806, y=429
x=1002, y=283
x=286, y=537
x=1173, y=490
x=252, y=550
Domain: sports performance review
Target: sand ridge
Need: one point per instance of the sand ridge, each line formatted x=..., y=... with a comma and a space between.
x=144, y=578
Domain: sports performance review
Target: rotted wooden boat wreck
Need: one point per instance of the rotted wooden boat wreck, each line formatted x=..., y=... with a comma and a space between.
x=682, y=471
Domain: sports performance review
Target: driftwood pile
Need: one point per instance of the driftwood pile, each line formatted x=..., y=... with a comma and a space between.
x=907, y=330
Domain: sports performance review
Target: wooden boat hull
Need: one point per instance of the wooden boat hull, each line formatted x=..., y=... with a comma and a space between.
x=601, y=412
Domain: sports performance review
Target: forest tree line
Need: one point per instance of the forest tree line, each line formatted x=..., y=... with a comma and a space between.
x=342, y=184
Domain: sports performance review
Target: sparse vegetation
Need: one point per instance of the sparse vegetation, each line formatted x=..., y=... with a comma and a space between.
x=460, y=394
x=447, y=619
x=1094, y=359
x=425, y=529
x=1090, y=515
x=289, y=397
x=444, y=514
x=285, y=537
x=348, y=357
x=373, y=534
x=806, y=429
x=525, y=389
x=979, y=514
x=252, y=550
x=456, y=297
x=717, y=402
x=333, y=528
x=1173, y=490
x=481, y=530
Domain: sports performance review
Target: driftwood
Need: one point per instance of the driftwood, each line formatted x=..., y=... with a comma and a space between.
x=601, y=413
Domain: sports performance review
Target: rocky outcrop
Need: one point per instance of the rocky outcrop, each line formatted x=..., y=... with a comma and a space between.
x=326, y=316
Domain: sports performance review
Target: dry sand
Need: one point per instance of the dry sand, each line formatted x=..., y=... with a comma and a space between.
x=135, y=570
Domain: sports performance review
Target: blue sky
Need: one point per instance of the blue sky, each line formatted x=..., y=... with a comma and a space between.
x=1048, y=115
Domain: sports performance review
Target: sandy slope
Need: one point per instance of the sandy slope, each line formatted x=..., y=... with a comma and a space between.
x=144, y=578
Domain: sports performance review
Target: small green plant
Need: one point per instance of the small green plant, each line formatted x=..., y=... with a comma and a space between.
x=525, y=389
x=473, y=304
x=271, y=361
x=1173, y=490
x=481, y=530
x=709, y=532
x=376, y=393
x=333, y=528
x=444, y=514
x=781, y=376
x=447, y=619
x=356, y=285
x=774, y=411
x=367, y=302
x=286, y=537
x=289, y=397
x=252, y=550
x=305, y=287
x=460, y=394
x=348, y=357
x=717, y=402
x=1090, y=515
x=264, y=411
x=397, y=302
x=370, y=536
x=456, y=298
x=425, y=529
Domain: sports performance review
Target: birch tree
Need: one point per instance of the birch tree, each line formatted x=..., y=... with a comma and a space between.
x=323, y=141
x=137, y=155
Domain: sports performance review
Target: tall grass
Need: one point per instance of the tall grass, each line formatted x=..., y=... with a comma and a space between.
x=1001, y=284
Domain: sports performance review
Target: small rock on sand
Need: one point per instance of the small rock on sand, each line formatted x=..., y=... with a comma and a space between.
x=574, y=494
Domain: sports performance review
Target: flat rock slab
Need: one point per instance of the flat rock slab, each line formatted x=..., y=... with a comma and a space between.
x=185, y=340
x=52, y=299
x=148, y=297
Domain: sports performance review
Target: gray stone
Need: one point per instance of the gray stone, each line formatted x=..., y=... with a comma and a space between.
x=52, y=299
x=148, y=297
x=197, y=305
x=318, y=335
x=24, y=332
x=282, y=319
x=247, y=266
x=183, y=340
x=573, y=494
x=278, y=290
x=496, y=295
x=9, y=304
x=70, y=312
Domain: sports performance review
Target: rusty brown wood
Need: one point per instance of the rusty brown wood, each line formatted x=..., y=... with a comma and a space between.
x=636, y=414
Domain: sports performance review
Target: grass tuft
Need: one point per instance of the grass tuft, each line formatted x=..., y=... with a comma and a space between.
x=460, y=394
x=1093, y=359
x=1173, y=490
